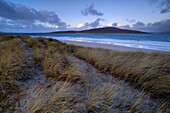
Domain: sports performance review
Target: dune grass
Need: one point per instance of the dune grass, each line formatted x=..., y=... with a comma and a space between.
x=4, y=37
x=58, y=98
x=11, y=63
x=66, y=97
x=145, y=71
x=51, y=55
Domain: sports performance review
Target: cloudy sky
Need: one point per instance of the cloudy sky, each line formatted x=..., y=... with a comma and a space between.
x=55, y=15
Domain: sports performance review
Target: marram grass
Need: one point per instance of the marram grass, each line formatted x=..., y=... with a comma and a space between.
x=146, y=71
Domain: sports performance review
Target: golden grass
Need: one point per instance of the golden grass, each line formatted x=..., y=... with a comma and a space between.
x=11, y=63
x=143, y=70
x=53, y=65
x=66, y=97
x=59, y=98
x=4, y=37
x=32, y=42
x=51, y=55
x=74, y=73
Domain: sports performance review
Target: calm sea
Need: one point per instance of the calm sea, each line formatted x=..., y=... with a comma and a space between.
x=159, y=42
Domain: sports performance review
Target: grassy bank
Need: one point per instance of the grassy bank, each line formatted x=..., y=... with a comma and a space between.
x=145, y=71
x=11, y=63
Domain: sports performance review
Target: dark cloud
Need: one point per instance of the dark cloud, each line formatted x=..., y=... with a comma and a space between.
x=114, y=24
x=160, y=26
x=163, y=4
x=23, y=15
x=91, y=25
x=11, y=26
x=91, y=10
x=117, y=25
x=166, y=5
x=139, y=24
x=125, y=27
x=163, y=25
x=96, y=23
x=130, y=21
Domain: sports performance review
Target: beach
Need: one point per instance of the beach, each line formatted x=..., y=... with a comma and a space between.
x=141, y=42
x=107, y=46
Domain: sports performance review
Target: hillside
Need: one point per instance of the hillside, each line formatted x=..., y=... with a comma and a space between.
x=103, y=30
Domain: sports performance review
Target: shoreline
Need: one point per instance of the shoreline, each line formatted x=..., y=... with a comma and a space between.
x=106, y=46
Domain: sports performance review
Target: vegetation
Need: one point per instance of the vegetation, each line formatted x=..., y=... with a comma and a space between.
x=11, y=63
x=6, y=37
x=72, y=90
x=145, y=71
x=52, y=56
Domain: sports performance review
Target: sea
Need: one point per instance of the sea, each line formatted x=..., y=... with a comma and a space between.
x=158, y=42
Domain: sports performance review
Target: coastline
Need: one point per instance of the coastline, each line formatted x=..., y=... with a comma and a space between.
x=106, y=46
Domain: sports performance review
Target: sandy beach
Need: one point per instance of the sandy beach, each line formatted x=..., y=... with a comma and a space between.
x=105, y=46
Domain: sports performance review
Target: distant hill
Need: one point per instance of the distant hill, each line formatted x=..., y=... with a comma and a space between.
x=103, y=30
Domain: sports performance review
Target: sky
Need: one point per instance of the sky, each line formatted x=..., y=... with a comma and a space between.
x=56, y=15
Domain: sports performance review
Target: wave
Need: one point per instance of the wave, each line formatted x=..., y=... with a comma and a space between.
x=151, y=45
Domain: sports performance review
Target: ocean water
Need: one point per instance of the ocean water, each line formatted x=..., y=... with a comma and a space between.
x=160, y=42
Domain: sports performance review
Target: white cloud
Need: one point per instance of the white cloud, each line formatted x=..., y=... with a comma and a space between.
x=80, y=25
x=110, y=25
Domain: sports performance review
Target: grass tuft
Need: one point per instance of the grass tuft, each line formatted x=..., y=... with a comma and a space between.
x=11, y=63
x=142, y=70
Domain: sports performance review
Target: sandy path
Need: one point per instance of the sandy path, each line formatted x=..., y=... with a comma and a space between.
x=120, y=90
x=35, y=78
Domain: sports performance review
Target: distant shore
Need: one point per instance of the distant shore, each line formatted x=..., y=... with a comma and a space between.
x=106, y=46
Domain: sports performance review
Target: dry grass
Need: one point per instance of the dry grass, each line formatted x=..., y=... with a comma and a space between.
x=145, y=71
x=51, y=55
x=74, y=73
x=54, y=64
x=11, y=63
x=148, y=71
x=66, y=97
x=60, y=98
x=4, y=37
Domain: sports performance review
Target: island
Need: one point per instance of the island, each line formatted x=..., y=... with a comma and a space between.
x=104, y=30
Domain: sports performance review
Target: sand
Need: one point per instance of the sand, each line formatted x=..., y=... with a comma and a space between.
x=106, y=46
